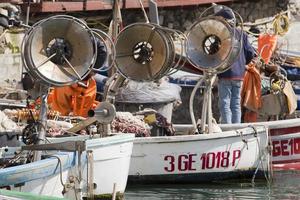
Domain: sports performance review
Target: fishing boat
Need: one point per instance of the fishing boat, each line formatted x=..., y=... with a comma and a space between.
x=79, y=167
x=283, y=142
x=191, y=158
x=210, y=156
x=195, y=158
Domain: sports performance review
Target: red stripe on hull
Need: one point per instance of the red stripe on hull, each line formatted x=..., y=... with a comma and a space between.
x=288, y=166
x=286, y=161
x=284, y=131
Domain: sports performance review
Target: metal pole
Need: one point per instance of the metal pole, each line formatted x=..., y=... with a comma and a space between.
x=206, y=115
x=153, y=12
x=204, y=110
x=112, y=86
x=115, y=27
x=115, y=20
x=209, y=113
x=27, y=12
x=42, y=129
x=191, y=103
x=90, y=174
x=114, y=194
x=204, y=106
x=79, y=168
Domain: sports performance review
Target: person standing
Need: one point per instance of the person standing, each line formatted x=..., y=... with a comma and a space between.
x=230, y=81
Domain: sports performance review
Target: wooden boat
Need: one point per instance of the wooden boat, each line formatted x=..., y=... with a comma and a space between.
x=183, y=158
x=102, y=169
x=201, y=158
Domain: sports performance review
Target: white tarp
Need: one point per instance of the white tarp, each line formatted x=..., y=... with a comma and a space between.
x=149, y=92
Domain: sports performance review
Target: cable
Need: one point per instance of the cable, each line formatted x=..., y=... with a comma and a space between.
x=60, y=173
x=261, y=156
x=60, y=168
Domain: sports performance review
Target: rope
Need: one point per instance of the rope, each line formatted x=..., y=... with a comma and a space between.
x=242, y=138
x=3, y=33
x=251, y=33
x=270, y=177
x=281, y=24
x=266, y=21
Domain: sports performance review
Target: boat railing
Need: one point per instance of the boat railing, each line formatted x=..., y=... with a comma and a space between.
x=79, y=146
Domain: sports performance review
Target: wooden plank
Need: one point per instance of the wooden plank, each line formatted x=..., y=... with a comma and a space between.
x=12, y=1
x=62, y=146
x=64, y=6
x=171, y=3
x=92, y=5
x=82, y=125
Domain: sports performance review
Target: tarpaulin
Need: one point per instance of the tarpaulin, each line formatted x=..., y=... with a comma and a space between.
x=266, y=46
x=251, y=93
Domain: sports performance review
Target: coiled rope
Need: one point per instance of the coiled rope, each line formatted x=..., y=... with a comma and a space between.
x=281, y=24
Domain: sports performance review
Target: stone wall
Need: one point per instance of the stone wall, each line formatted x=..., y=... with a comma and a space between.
x=294, y=7
x=182, y=17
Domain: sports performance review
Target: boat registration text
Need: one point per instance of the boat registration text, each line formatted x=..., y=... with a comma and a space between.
x=210, y=160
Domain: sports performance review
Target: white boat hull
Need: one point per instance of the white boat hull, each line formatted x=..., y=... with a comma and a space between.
x=285, y=140
x=111, y=166
x=49, y=185
x=200, y=158
x=110, y=160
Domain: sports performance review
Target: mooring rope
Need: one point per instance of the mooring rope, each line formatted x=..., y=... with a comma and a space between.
x=262, y=155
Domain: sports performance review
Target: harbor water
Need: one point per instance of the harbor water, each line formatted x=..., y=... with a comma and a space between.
x=285, y=185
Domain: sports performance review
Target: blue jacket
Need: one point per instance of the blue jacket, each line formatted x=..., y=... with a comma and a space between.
x=238, y=68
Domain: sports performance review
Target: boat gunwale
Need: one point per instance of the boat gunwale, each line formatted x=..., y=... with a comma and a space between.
x=248, y=131
x=97, y=142
x=47, y=167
